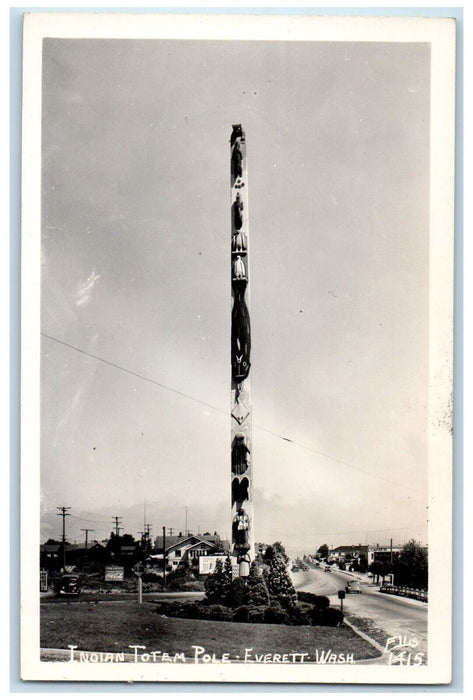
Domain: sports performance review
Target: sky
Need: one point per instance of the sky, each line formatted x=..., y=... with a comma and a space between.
x=136, y=298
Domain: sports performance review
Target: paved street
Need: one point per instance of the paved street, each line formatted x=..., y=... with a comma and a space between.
x=395, y=616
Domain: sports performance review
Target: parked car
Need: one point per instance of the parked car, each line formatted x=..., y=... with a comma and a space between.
x=353, y=587
x=295, y=568
x=68, y=585
x=328, y=568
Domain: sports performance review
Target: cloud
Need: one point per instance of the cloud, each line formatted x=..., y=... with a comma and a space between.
x=84, y=291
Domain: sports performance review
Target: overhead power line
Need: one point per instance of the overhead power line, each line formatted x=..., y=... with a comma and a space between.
x=88, y=520
x=220, y=410
x=134, y=374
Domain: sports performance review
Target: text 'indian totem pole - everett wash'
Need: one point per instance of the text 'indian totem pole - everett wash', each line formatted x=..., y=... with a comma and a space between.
x=241, y=441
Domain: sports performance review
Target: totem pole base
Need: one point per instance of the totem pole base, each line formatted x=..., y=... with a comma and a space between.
x=244, y=569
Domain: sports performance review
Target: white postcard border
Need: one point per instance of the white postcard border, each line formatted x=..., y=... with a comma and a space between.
x=440, y=33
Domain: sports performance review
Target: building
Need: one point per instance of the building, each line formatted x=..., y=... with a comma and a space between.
x=384, y=553
x=181, y=549
x=363, y=554
x=350, y=555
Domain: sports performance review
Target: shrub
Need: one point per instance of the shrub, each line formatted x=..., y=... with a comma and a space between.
x=328, y=617
x=237, y=595
x=214, y=612
x=241, y=614
x=256, y=614
x=320, y=602
x=187, y=609
x=276, y=615
x=183, y=585
x=152, y=577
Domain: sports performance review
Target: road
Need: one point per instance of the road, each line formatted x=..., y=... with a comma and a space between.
x=394, y=616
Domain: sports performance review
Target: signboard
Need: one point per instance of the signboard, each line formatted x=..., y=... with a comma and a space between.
x=43, y=581
x=114, y=573
x=341, y=594
x=207, y=564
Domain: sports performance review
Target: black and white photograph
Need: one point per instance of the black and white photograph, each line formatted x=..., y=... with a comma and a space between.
x=237, y=323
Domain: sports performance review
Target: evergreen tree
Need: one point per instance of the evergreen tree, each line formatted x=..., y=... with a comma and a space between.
x=237, y=595
x=227, y=577
x=218, y=584
x=279, y=584
x=279, y=548
x=212, y=583
x=256, y=588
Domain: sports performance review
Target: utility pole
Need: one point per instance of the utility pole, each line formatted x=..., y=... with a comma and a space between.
x=83, y=529
x=164, y=556
x=64, y=514
x=185, y=529
x=147, y=535
x=171, y=530
x=117, y=519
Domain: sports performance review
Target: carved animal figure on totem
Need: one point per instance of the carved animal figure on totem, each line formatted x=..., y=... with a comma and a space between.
x=239, y=271
x=237, y=208
x=237, y=133
x=239, y=243
x=241, y=337
x=240, y=527
x=240, y=455
x=237, y=157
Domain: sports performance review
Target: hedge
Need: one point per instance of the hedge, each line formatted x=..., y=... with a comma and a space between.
x=269, y=614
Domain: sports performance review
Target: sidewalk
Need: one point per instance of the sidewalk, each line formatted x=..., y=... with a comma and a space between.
x=409, y=601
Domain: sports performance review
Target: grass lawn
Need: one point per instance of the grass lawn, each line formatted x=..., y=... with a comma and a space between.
x=114, y=626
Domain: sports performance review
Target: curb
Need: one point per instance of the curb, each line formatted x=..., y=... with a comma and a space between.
x=378, y=659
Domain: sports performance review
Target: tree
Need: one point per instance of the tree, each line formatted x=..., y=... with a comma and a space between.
x=322, y=551
x=256, y=588
x=273, y=550
x=218, y=584
x=411, y=566
x=279, y=583
x=212, y=583
x=379, y=568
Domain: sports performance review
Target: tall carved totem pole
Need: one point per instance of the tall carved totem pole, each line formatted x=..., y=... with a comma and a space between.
x=241, y=440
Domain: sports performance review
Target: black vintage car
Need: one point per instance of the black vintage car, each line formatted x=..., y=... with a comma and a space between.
x=68, y=585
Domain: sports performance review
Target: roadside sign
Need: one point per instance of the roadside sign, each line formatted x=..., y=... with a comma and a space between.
x=341, y=594
x=114, y=573
x=43, y=581
x=138, y=570
x=207, y=564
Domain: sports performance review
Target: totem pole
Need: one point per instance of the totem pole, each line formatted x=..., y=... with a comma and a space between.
x=241, y=443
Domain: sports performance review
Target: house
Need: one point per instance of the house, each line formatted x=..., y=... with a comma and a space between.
x=190, y=548
x=361, y=555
